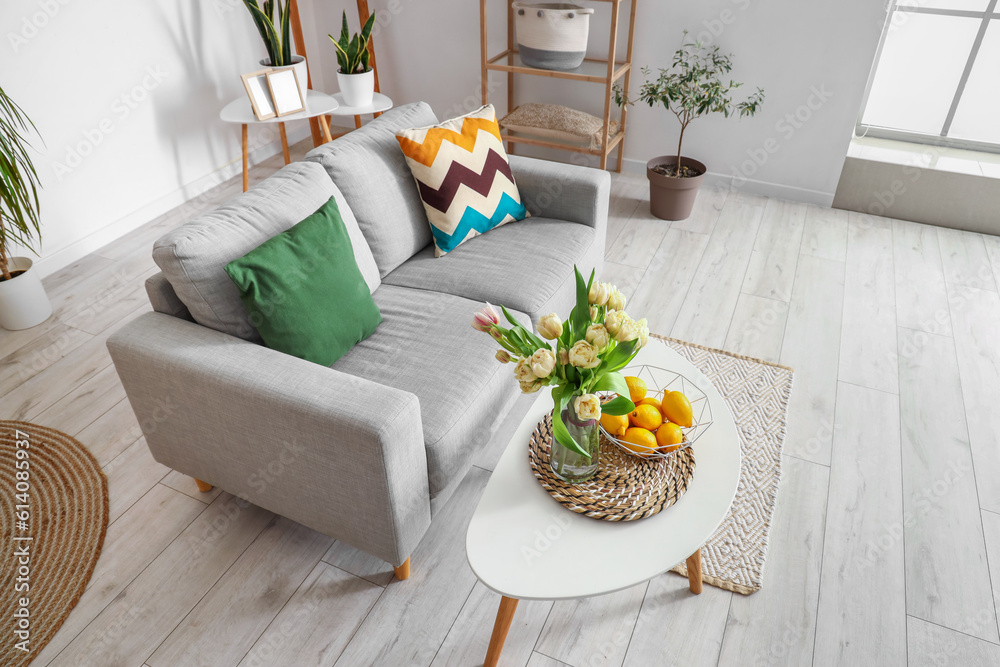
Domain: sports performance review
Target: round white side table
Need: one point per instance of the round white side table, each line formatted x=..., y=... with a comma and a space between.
x=379, y=104
x=240, y=112
x=583, y=557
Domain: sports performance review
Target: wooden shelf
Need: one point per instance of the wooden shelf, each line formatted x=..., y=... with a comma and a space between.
x=529, y=140
x=606, y=71
x=593, y=70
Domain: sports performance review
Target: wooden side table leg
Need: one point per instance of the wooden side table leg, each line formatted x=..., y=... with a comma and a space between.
x=357, y=122
x=694, y=572
x=284, y=143
x=504, y=617
x=324, y=124
x=246, y=161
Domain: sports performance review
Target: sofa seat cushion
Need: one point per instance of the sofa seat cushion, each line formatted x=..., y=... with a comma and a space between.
x=193, y=256
x=526, y=266
x=427, y=346
x=370, y=170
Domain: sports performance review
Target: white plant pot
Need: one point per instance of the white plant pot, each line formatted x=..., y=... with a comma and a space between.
x=357, y=89
x=301, y=72
x=23, y=302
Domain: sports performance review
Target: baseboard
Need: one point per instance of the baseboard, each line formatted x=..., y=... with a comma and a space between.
x=115, y=230
x=762, y=188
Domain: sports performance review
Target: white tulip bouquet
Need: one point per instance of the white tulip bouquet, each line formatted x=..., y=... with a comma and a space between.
x=584, y=356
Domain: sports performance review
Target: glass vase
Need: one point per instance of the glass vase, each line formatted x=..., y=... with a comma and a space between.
x=567, y=464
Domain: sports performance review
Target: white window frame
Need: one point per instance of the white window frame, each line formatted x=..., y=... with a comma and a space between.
x=991, y=13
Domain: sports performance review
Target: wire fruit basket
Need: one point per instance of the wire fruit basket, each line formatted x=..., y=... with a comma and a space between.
x=659, y=381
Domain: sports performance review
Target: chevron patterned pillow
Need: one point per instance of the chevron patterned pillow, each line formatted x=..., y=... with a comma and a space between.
x=463, y=176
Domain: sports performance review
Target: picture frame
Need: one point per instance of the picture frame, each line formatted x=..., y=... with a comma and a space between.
x=284, y=85
x=259, y=92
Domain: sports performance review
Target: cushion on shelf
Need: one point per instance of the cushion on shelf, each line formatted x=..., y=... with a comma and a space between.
x=552, y=121
x=369, y=169
x=463, y=176
x=304, y=291
x=193, y=256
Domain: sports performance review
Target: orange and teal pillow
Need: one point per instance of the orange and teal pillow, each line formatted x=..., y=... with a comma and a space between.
x=464, y=177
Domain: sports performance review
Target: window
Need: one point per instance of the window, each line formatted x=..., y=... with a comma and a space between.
x=936, y=78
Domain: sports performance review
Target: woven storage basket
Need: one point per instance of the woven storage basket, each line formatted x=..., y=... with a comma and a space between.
x=625, y=488
x=552, y=35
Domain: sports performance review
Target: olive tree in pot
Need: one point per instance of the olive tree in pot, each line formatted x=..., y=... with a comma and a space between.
x=356, y=76
x=23, y=302
x=273, y=22
x=690, y=88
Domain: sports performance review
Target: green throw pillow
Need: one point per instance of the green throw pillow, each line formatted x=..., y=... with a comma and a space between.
x=304, y=292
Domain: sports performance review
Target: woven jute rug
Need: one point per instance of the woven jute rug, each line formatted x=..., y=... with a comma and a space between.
x=53, y=517
x=757, y=393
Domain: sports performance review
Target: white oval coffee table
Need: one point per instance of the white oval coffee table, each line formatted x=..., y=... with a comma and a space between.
x=525, y=546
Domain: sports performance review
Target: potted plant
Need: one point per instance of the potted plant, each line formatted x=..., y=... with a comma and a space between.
x=356, y=77
x=273, y=21
x=690, y=88
x=23, y=302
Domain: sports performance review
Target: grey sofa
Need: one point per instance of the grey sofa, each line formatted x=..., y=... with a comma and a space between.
x=368, y=450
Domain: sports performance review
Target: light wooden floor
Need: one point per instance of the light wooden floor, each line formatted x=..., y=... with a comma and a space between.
x=885, y=548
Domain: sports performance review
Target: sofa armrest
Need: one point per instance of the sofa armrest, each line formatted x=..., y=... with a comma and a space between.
x=338, y=453
x=563, y=191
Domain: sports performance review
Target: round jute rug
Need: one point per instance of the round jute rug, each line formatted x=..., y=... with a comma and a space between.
x=53, y=517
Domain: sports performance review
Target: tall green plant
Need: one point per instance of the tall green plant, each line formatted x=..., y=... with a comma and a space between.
x=352, y=52
x=18, y=183
x=693, y=87
x=273, y=21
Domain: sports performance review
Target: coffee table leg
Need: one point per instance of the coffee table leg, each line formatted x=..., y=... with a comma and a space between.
x=694, y=572
x=246, y=161
x=504, y=617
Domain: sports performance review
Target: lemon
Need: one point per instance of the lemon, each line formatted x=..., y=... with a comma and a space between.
x=651, y=401
x=669, y=437
x=639, y=440
x=636, y=388
x=646, y=416
x=616, y=425
x=677, y=408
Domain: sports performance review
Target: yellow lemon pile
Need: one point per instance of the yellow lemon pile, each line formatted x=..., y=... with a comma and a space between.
x=654, y=425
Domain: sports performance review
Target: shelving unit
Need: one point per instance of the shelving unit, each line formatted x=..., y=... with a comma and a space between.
x=606, y=71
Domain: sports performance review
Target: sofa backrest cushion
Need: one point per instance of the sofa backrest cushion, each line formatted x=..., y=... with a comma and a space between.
x=193, y=256
x=369, y=168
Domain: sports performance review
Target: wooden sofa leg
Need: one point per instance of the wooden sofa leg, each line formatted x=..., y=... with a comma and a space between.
x=403, y=571
x=204, y=487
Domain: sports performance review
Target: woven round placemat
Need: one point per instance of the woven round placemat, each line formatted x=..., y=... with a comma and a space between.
x=52, y=545
x=625, y=488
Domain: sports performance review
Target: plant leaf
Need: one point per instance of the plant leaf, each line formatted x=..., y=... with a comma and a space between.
x=612, y=382
x=560, y=397
x=618, y=406
x=581, y=312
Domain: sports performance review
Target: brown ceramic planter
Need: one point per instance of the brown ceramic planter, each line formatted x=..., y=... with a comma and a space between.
x=673, y=198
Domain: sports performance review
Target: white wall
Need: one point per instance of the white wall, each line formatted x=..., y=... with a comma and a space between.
x=801, y=53
x=126, y=95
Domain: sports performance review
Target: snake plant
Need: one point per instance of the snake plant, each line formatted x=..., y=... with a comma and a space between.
x=273, y=23
x=352, y=52
x=18, y=183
